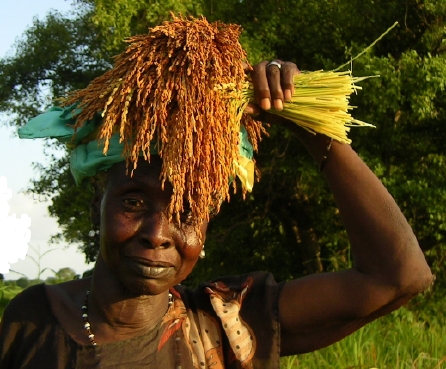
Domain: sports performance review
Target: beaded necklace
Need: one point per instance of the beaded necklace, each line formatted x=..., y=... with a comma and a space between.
x=87, y=324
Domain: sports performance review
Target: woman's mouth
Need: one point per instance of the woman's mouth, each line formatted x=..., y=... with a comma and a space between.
x=149, y=269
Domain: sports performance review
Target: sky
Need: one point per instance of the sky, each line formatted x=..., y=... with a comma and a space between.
x=17, y=157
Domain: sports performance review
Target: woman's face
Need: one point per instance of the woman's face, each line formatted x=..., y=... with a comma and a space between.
x=142, y=248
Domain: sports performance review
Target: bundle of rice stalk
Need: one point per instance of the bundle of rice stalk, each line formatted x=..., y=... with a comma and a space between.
x=320, y=103
x=182, y=87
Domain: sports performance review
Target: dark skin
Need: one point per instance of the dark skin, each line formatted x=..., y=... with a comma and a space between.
x=143, y=253
x=389, y=267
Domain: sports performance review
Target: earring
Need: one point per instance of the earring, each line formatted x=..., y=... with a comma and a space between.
x=202, y=253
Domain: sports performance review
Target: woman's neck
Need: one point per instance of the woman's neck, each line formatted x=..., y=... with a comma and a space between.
x=115, y=313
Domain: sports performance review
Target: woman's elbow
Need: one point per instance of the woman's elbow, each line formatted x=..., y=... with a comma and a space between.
x=416, y=275
x=425, y=279
x=416, y=280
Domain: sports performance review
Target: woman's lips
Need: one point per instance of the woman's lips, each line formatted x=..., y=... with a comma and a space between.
x=149, y=269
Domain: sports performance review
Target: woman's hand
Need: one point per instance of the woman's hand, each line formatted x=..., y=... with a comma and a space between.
x=389, y=267
x=273, y=85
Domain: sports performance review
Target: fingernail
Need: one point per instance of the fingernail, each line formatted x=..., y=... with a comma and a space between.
x=248, y=110
x=265, y=104
x=287, y=95
x=252, y=110
x=278, y=105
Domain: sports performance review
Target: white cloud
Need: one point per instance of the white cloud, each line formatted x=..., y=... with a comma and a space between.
x=14, y=232
x=43, y=255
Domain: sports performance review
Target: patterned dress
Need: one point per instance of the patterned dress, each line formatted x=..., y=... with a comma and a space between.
x=231, y=322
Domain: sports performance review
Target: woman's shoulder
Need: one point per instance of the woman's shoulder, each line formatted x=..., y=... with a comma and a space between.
x=38, y=302
x=21, y=303
x=25, y=315
x=29, y=331
x=67, y=292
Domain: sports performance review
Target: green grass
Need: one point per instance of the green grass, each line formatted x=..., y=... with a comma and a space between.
x=399, y=341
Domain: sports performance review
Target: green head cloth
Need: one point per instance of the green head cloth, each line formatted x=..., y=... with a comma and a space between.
x=87, y=157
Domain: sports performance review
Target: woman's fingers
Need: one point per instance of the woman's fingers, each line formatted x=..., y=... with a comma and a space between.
x=289, y=70
x=274, y=75
x=261, y=86
x=273, y=83
x=252, y=109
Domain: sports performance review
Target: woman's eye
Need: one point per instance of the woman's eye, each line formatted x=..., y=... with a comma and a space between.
x=186, y=215
x=133, y=203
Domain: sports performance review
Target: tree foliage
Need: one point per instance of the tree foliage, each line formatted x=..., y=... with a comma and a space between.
x=55, y=55
x=62, y=275
x=289, y=223
x=135, y=17
x=70, y=204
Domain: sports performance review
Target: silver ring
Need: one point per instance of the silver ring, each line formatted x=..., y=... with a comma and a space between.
x=278, y=65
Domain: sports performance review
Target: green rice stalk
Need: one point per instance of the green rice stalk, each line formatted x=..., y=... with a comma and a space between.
x=320, y=103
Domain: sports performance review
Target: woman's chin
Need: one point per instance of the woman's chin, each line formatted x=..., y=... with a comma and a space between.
x=143, y=285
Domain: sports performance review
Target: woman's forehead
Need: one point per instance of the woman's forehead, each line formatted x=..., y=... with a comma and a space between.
x=144, y=172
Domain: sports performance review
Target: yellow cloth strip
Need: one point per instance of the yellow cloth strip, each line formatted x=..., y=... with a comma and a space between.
x=244, y=168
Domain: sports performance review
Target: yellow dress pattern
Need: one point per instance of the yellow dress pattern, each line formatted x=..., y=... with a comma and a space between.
x=202, y=331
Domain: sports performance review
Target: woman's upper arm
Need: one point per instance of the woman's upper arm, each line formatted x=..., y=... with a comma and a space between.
x=321, y=309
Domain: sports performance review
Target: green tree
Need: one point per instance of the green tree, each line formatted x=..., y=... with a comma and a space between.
x=62, y=275
x=135, y=17
x=54, y=56
x=288, y=224
x=22, y=282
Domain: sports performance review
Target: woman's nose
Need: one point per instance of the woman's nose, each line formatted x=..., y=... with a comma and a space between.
x=155, y=231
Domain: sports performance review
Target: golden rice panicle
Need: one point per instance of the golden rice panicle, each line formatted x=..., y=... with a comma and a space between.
x=180, y=86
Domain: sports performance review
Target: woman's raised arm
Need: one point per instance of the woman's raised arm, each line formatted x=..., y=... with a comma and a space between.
x=389, y=267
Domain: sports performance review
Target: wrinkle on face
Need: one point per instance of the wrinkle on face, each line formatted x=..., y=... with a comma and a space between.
x=137, y=232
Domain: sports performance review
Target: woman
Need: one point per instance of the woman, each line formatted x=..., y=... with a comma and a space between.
x=124, y=316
